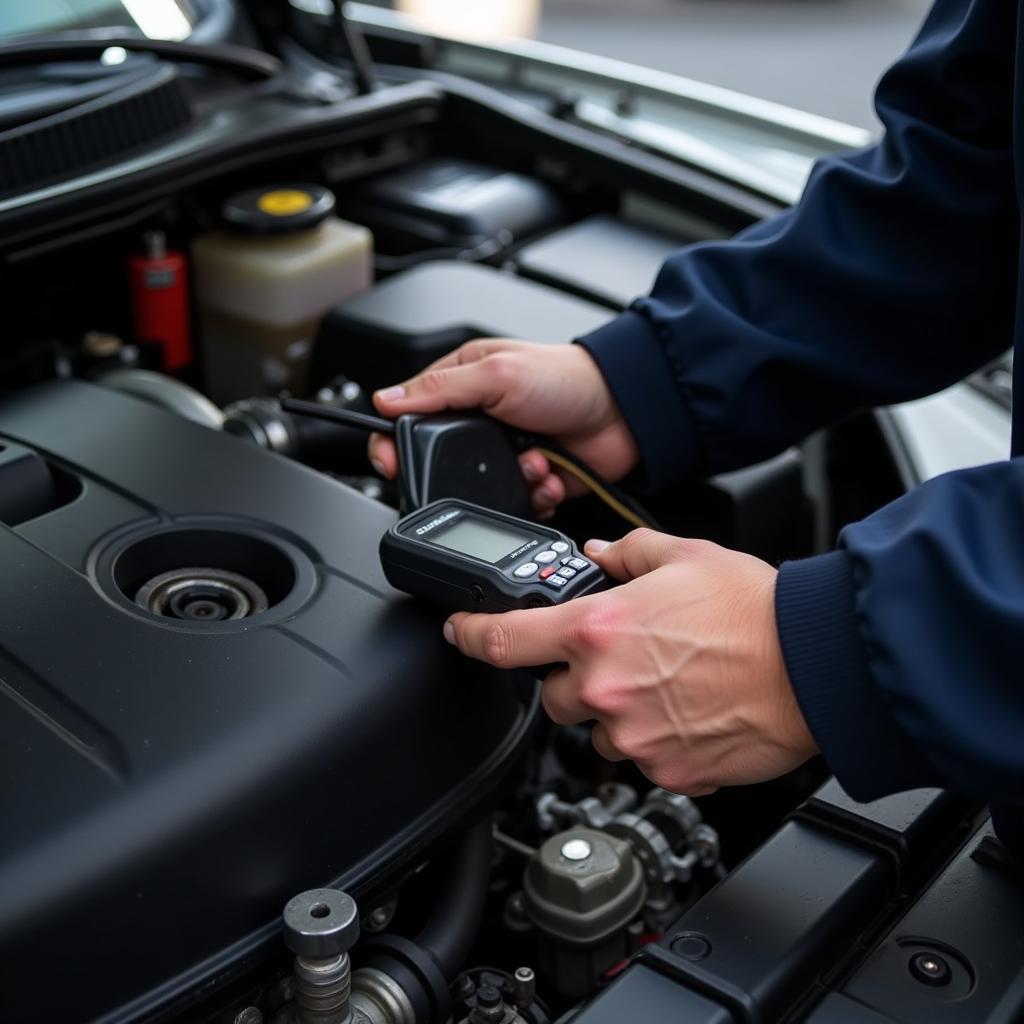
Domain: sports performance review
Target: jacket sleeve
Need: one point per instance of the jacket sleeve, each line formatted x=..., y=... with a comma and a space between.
x=892, y=277
x=914, y=629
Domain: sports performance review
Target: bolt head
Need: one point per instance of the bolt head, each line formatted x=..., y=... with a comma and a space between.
x=321, y=923
x=576, y=849
x=488, y=997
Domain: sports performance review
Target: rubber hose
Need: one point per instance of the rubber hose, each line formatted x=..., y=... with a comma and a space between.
x=449, y=934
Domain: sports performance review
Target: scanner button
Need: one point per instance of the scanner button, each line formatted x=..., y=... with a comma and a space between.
x=549, y=571
x=545, y=556
x=560, y=546
x=567, y=572
x=557, y=582
x=526, y=570
x=578, y=563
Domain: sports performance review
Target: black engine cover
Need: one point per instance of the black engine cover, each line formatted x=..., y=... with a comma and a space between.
x=166, y=785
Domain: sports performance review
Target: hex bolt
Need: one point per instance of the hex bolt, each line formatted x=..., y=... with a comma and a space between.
x=320, y=927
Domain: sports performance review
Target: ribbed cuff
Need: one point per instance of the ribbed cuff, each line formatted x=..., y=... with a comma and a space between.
x=828, y=667
x=641, y=382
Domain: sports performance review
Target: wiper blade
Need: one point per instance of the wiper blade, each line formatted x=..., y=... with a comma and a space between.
x=70, y=46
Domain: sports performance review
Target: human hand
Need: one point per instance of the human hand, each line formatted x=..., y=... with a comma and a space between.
x=680, y=666
x=556, y=390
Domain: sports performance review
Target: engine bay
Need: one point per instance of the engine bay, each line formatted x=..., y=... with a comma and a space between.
x=243, y=779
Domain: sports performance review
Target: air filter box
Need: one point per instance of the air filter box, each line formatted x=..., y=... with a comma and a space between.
x=415, y=317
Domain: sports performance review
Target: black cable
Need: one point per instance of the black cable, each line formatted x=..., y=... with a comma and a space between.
x=345, y=417
x=614, y=497
x=72, y=46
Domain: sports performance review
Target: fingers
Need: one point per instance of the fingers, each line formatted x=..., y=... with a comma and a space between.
x=637, y=554
x=547, y=490
x=548, y=495
x=519, y=639
x=603, y=744
x=534, y=466
x=383, y=456
x=449, y=387
x=463, y=379
x=560, y=697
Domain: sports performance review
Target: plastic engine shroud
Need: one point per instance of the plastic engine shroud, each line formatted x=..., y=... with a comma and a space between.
x=168, y=785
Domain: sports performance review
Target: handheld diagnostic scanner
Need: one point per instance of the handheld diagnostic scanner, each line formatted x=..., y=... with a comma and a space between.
x=468, y=558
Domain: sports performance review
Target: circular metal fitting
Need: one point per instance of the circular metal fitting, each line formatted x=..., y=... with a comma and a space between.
x=202, y=595
x=321, y=923
x=576, y=849
x=930, y=969
x=650, y=844
x=261, y=421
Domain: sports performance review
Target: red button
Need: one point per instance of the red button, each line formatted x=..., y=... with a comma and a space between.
x=549, y=571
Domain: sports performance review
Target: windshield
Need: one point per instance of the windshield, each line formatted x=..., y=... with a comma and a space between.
x=158, y=19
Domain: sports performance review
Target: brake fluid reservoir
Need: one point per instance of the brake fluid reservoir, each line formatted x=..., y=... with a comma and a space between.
x=265, y=279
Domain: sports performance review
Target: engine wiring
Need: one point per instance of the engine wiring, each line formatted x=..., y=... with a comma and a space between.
x=617, y=500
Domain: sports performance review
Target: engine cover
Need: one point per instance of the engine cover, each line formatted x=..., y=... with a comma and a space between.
x=166, y=784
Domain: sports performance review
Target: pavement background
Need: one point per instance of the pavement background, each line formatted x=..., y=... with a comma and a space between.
x=824, y=56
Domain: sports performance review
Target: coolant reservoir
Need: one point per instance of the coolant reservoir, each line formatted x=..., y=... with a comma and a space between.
x=265, y=279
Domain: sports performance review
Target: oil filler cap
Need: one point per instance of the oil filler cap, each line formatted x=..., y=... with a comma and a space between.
x=278, y=209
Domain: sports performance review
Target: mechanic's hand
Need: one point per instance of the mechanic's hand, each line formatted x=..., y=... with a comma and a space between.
x=681, y=666
x=556, y=390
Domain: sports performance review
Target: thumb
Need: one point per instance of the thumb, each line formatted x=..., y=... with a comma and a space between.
x=466, y=386
x=637, y=554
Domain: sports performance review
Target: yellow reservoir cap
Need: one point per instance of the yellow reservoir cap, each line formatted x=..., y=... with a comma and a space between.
x=284, y=202
x=278, y=209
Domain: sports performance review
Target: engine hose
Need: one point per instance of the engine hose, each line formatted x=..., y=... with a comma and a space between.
x=449, y=934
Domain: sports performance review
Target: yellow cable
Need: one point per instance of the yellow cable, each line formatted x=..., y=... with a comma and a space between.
x=594, y=485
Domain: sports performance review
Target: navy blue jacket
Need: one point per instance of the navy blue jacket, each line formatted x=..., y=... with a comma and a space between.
x=897, y=274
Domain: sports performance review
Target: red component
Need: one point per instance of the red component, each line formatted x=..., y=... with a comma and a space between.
x=549, y=571
x=159, y=280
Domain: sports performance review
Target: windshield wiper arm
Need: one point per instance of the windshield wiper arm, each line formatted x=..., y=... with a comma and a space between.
x=77, y=46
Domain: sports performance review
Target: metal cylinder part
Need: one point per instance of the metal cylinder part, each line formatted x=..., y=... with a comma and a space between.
x=525, y=982
x=380, y=999
x=320, y=927
x=201, y=594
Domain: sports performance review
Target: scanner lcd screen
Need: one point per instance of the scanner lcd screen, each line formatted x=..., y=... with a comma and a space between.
x=480, y=539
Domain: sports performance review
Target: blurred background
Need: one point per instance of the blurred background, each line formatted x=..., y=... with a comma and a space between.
x=824, y=56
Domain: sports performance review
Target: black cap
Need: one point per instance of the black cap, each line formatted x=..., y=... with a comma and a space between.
x=278, y=209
